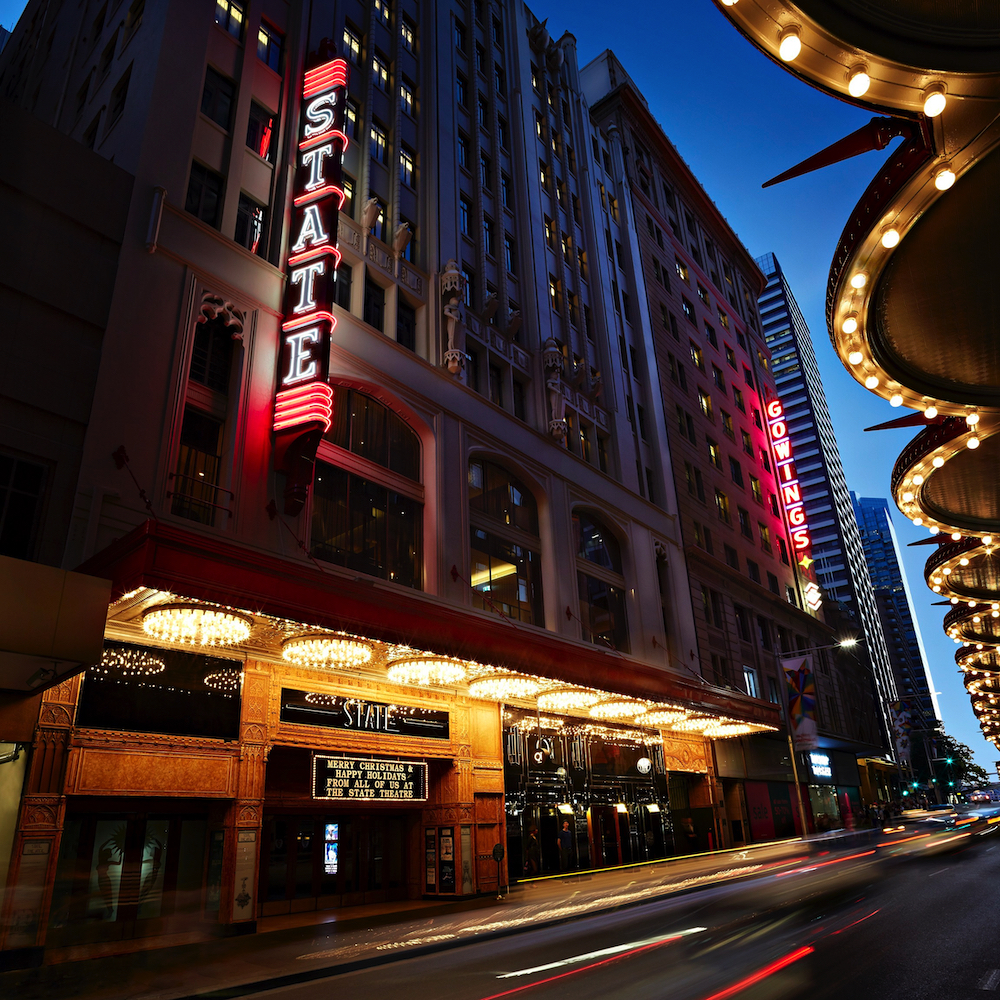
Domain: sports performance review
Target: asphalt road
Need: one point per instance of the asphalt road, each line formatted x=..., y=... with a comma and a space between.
x=855, y=928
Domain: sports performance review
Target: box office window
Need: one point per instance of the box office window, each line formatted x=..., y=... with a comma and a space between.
x=141, y=689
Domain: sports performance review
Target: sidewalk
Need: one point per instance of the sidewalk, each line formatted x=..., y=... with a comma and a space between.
x=312, y=945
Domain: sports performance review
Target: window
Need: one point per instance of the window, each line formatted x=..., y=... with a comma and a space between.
x=218, y=98
x=488, y=235
x=199, y=459
x=407, y=33
x=748, y=376
x=702, y=293
x=765, y=459
x=107, y=57
x=503, y=131
x=765, y=536
x=758, y=423
x=204, y=194
x=730, y=357
x=750, y=681
x=229, y=15
x=756, y=490
x=705, y=402
x=696, y=356
x=601, y=585
x=710, y=335
x=377, y=143
x=464, y=215
x=543, y=174
x=731, y=556
x=753, y=571
x=486, y=171
x=484, y=111
x=681, y=268
x=497, y=494
x=688, y=309
x=772, y=583
x=509, y=257
x=735, y=472
x=641, y=414
x=717, y=378
x=260, y=132
x=742, y=622
x=343, y=286
x=406, y=96
x=406, y=326
x=747, y=442
x=774, y=504
x=382, y=11
x=783, y=551
x=498, y=33
x=459, y=33
x=744, y=516
x=727, y=425
x=251, y=220
x=499, y=80
x=269, y=46
x=380, y=71
x=212, y=356
x=351, y=119
x=520, y=400
x=722, y=505
x=22, y=492
x=461, y=90
x=463, y=151
x=406, y=166
x=555, y=293
x=470, y=284
x=348, y=208
x=723, y=320
x=118, y=97
x=738, y=399
x=506, y=192
x=352, y=44
x=374, y=304
x=764, y=633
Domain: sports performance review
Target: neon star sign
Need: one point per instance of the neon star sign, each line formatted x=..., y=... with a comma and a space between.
x=791, y=498
x=303, y=403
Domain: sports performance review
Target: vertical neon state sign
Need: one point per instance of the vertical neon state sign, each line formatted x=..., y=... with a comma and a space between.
x=303, y=405
x=791, y=496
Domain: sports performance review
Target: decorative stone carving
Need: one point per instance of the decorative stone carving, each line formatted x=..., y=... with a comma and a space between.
x=490, y=306
x=513, y=323
x=215, y=307
x=554, y=57
x=538, y=36
x=552, y=359
x=453, y=292
x=400, y=238
x=41, y=813
x=660, y=548
x=369, y=213
x=56, y=715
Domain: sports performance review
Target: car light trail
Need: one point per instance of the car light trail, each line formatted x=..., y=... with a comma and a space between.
x=618, y=949
x=855, y=923
x=768, y=970
x=633, y=950
x=824, y=864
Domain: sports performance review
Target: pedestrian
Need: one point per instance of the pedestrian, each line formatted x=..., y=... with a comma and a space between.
x=565, y=844
x=533, y=854
x=687, y=829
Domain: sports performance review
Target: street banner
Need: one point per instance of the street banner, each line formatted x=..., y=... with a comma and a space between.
x=899, y=716
x=801, y=702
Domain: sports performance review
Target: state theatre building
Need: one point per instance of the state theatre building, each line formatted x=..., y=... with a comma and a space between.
x=375, y=482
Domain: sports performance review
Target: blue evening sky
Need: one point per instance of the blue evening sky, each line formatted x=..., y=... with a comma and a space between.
x=738, y=119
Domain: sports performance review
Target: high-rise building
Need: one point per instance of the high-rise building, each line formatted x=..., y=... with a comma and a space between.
x=840, y=559
x=377, y=471
x=689, y=289
x=914, y=683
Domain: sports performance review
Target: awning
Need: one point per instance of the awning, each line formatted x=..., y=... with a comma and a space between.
x=204, y=568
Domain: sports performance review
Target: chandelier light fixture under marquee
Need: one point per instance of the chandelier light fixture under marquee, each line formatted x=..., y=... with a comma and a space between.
x=131, y=662
x=503, y=687
x=427, y=671
x=196, y=625
x=325, y=652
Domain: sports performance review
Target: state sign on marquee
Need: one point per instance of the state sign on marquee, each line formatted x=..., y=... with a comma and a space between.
x=303, y=404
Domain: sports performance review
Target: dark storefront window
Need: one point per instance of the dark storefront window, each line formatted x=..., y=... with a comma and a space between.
x=189, y=695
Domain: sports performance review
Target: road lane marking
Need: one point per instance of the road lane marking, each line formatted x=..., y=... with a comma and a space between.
x=938, y=872
x=990, y=980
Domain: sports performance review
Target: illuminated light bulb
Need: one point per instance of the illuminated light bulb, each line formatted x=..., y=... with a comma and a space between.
x=890, y=238
x=858, y=84
x=972, y=419
x=995, y=606
x=956, y=536
x=931, y=412
x=954, y=600
x=859, y=280
x=937, y=590
x=995, y=614
x=934, y=529
x=907, y=496
x=976, y=619
x=988, y=540
x=871, y=382
x=855, y=357
x=944, y=179
x=918, y=521
x=937, y=461
x=964, y=561
x=918, y=479
x=973, y=443
x=850, y=325
x=896, y=399
x=791, y=45
x=728, y=3
x=934, y=101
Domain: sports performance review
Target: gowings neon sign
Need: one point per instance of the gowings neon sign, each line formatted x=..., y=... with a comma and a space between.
x=303, y=404
x=791, y=498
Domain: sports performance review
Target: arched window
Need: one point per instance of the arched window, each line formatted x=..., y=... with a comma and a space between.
x=506, y=566
x=367, y=500
x=600, y=583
